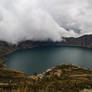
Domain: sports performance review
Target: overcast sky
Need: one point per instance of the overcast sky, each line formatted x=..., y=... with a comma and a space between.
x=44, y=19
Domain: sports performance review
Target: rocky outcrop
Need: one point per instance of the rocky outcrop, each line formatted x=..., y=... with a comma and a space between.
x=63, y=78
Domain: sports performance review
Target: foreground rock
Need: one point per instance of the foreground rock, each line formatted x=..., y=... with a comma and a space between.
x=62, y=78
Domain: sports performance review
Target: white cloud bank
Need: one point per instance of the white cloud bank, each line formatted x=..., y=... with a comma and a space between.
x=44, y=19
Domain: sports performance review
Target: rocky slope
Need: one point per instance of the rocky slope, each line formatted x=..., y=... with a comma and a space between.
x=83, y=41
x=62, y=78
x=5, y=49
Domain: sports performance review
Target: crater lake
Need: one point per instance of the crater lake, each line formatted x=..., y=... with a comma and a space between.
x=38, y=60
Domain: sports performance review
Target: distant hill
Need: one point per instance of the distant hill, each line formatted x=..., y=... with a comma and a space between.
x=83, y=41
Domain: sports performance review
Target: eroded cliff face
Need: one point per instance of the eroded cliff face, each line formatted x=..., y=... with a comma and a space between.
x=62, y=78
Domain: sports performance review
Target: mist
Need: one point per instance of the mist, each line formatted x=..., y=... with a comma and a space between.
x=40, y=20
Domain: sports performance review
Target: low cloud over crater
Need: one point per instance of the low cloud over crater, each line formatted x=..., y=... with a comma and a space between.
x=44, y=19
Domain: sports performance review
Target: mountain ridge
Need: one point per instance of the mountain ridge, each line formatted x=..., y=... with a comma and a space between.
x=85, y=41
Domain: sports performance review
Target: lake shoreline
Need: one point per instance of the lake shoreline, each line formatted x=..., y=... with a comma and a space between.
x=17, y=49
x=80, y=80
x=66, y=77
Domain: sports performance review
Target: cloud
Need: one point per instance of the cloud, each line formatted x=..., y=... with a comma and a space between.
x=44, y=19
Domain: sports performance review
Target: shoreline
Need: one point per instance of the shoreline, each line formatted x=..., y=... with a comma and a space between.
x=64, y=77
x=4, y=57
